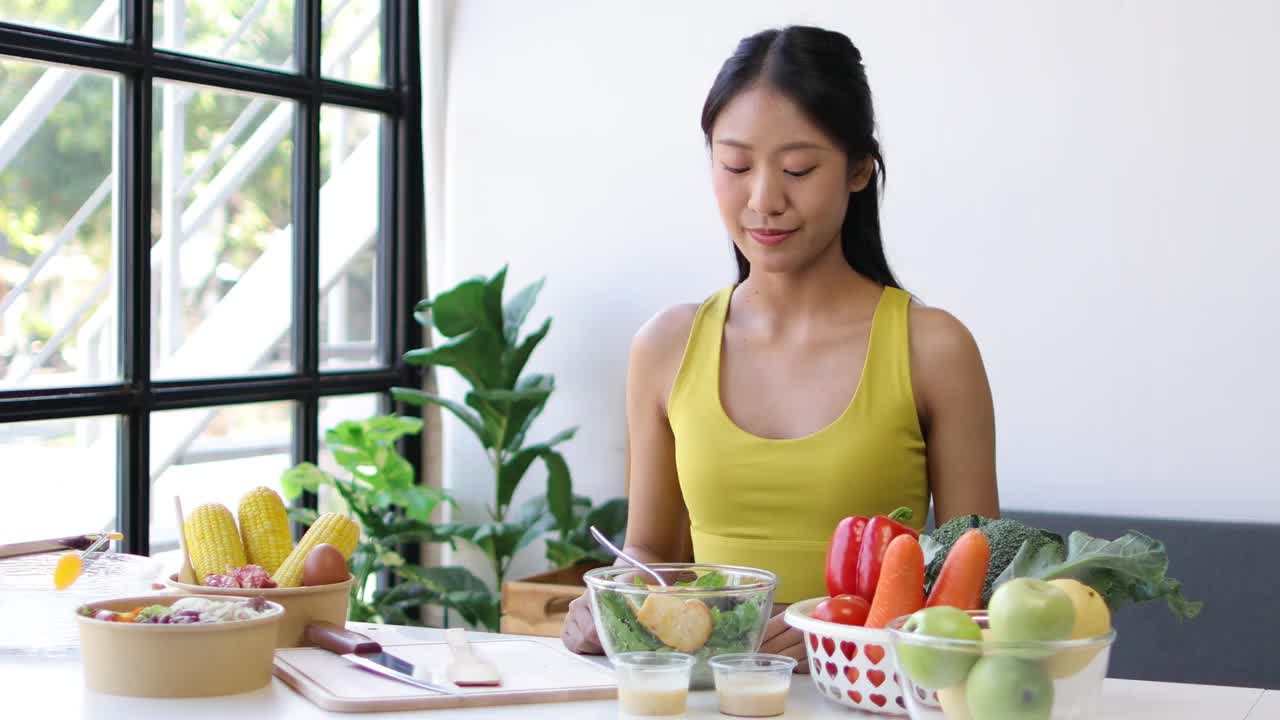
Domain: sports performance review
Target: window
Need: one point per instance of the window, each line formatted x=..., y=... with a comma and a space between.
x=210, y=245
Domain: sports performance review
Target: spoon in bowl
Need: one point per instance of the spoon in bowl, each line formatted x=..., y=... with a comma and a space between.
x=71, y=566
x=604, y=542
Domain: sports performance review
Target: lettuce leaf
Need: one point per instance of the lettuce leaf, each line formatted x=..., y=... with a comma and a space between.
x=1130, y=569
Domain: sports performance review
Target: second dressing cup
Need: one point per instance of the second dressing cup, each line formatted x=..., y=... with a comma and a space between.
x=752, y=684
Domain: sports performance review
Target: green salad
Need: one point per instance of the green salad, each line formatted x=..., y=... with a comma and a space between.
x=735, y=623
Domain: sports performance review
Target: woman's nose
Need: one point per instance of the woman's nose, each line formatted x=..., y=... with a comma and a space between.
x=767, y=197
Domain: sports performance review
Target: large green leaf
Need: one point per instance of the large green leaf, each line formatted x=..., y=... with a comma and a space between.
x=498, y=540
x=511, y=472
x=413, y=396
x=523, y=413
x=502, y=395
x=390, y=428
x=419, y=501
x=493, y=291
x=520, y=356
x=559, y=489
x=443, y=578
x=610, y=518
x=493, y=419
x=300, y=477
x=461, y=309
x=561, y=553
x=476, y=355
x=517, y=309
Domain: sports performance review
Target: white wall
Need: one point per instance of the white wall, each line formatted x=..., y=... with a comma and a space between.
x=1086, y=185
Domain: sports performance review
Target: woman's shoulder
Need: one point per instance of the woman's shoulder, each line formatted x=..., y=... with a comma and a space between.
x=666, y=333
x=943, y=350
x=936, y=332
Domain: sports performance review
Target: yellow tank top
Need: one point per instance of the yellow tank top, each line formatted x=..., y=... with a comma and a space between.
x=773, y=504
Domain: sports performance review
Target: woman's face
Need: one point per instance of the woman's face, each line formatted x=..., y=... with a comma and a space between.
x=781, y=183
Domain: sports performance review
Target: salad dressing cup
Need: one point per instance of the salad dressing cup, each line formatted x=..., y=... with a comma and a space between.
x=652, y=684
x=752, y=684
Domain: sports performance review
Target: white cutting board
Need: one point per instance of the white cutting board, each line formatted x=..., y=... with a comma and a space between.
x=531, y=673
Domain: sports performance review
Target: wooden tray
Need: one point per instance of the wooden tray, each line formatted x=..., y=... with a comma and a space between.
x=532, y=672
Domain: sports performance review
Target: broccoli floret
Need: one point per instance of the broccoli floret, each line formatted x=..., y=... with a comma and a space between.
x=1004, y=535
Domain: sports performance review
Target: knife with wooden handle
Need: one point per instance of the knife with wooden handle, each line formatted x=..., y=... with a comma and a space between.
x=367, y=654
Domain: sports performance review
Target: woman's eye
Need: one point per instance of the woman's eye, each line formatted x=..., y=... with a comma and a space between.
x=734, y=170
x=799, y=173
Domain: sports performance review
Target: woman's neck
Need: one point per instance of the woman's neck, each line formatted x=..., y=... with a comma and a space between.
x=804, y=300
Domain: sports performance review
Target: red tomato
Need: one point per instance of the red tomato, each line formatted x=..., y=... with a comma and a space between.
x=843, y=609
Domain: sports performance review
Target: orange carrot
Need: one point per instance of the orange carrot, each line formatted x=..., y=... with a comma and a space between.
x=900, y=590
x=959, y=583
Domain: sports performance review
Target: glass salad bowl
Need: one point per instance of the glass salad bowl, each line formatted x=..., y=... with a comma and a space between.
x=705, y=610
x=41, y=620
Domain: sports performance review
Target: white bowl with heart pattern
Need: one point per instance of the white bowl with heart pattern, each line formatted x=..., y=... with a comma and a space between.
x=849, y=664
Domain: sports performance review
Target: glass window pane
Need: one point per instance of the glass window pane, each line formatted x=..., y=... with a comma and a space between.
x=61, y=474
x=222, y=226
x=214, y=455
x=96, y=18
x=58, y=306
x=253, y=32
x=350, y=299
x=351, y=41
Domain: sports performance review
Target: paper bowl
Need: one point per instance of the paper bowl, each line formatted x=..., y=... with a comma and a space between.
x=849, y=665
x=173, y=661
x=302, y=605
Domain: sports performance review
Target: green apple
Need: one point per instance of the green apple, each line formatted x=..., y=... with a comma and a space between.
x=935, y=668
x=1030, y=610
x=1000, y=687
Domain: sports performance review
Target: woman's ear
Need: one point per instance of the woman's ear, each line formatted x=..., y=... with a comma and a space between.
x=861, y=174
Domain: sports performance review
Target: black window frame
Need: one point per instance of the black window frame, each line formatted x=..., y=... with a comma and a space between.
x=137, y=63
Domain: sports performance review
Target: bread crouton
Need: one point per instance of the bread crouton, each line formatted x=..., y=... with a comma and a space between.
x=684, y=625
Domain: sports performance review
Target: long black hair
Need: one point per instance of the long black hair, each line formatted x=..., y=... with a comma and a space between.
x=822, y=72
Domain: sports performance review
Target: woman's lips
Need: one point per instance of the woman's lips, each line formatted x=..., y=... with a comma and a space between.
x=769, y=237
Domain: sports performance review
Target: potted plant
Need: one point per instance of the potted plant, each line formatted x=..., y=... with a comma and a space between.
x=379, y=489
x=484, y=345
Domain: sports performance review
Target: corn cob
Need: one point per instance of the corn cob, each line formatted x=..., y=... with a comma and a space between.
x=332, y=528
x=212, y=540
x=264, y=528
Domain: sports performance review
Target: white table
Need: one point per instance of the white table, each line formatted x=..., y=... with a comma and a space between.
x=53, y=688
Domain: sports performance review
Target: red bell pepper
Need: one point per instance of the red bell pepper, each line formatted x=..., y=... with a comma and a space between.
x=842, y=556
x=879, y=532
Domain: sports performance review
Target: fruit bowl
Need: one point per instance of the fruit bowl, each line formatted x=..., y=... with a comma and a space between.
x=1044, y=680
x=302, y=605
x=849, y=664
x=714, y=610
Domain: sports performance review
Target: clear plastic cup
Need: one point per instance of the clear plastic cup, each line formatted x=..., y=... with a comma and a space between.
x=652, y=684
x=752, y=684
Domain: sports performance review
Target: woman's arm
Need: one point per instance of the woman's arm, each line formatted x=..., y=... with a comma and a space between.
x=657, y=520
x=953, y=398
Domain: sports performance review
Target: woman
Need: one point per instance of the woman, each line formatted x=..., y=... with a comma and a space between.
x=813, y=388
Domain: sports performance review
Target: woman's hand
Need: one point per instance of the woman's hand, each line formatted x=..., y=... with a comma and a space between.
x=782, y=639
x=579, y=630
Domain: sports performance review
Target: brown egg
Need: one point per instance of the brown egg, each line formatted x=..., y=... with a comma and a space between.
x=324, y=565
